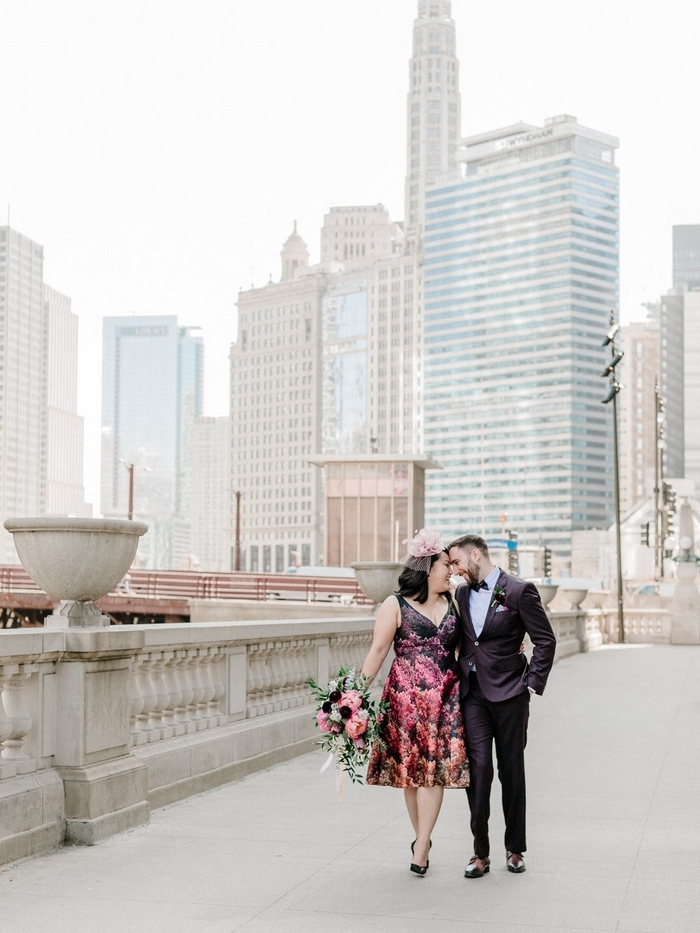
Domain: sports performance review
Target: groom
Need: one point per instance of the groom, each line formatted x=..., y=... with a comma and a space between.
x=496, y=611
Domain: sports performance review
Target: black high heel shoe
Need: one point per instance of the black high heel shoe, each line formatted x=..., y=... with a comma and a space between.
x=420, y=869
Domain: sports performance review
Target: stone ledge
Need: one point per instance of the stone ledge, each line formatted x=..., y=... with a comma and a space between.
x=36, y=841
x=178, y=768
x=90, y=832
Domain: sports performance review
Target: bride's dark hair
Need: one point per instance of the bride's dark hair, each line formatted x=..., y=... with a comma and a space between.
x=414, y=583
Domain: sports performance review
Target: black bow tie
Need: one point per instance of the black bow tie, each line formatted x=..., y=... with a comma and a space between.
x=479, y=586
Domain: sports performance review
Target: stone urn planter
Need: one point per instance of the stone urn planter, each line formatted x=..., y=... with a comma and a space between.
x=76, y=560
x=378, y=579
x=547, y=591
x=574, y=596
x=598, y=598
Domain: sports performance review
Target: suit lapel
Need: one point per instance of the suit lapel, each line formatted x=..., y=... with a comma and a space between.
x=464, y=602
x=502, y=578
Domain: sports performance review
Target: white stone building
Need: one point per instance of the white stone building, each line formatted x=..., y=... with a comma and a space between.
x=210, y=503
x=65, y=494
x=276, y=414
x=41, y=440
x=639, y=372
x=691, y=384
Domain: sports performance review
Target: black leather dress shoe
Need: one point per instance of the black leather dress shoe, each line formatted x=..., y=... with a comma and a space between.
x=515, y=863
x=477, y=867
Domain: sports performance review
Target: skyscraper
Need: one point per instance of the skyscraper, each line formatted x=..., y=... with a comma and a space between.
x=521, y=271
x=639, y=373
x=40, y=432
x=433, y=108
x=276, y=414
x=667, y=316
x=65, y=494
x=355, y=236
x=686, y=257
x=152, y=376
x=691, y=374
x=210, y=505
x=22, y=381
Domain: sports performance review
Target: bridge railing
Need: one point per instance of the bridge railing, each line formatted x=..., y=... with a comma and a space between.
x=97, y=726
x=202, y=585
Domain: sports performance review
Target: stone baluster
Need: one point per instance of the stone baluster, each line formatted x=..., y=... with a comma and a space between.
x=162, y=696
x=172, y=685
x=216, y=668
x=205, y=656
x=137, y=703
x=15, y=677
x=295, y=661
x=276, y=674
x=267, y=706
x=145, y=687
x=284, y=661
x=182, y=712
x=6, y=770
x=309, y=671
x=255, y=680
x=195, y=708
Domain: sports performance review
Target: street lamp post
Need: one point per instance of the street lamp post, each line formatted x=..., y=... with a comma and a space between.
x=658, y=485
x=616, y=356
x=237, y=540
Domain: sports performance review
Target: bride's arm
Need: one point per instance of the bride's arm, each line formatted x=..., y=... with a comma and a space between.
x=388, y=620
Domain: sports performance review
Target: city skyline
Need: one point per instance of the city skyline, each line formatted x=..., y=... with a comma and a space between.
x=118, y=248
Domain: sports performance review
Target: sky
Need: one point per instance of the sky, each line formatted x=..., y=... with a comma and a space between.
x=160, y=150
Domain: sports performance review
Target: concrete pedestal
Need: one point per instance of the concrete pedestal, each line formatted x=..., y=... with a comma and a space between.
x=685, y=609
x=106, y=787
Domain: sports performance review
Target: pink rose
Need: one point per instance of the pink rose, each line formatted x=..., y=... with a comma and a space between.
x=351, y=699
x=323, y=723
x=356, y=726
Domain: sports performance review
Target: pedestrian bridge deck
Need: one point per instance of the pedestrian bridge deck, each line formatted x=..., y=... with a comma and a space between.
x=613, y=815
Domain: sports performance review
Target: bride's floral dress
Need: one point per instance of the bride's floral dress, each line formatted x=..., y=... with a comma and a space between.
x=422, y=731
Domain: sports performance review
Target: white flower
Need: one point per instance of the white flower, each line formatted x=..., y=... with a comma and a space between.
x=335, y=716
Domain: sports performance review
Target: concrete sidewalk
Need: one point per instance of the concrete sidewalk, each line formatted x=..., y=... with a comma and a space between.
x=614, y=805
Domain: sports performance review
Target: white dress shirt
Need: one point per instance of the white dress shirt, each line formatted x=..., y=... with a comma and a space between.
x=480, y=601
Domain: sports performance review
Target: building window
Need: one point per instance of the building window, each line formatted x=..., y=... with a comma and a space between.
x=254, y=558
x=266, y=558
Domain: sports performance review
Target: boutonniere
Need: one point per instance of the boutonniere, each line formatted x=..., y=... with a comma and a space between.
x=499, y=597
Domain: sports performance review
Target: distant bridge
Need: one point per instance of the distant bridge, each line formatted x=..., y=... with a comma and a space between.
x=164, y=595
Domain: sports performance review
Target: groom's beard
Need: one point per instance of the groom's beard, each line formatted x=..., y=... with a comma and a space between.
x=472, y=575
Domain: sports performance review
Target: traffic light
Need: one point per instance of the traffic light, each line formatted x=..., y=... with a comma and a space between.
x=546, y=562
x=645, y=535
x=513, y=553
x=669, y=497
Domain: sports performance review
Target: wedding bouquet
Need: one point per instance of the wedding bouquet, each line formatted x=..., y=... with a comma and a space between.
x=348, y=720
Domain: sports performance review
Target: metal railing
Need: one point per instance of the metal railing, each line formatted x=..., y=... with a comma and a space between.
x=186, y=584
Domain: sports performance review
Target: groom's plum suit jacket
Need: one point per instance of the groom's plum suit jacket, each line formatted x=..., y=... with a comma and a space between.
x=501, y=670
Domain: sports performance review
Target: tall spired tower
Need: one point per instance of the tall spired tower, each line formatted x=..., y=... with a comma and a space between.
x=434, y=106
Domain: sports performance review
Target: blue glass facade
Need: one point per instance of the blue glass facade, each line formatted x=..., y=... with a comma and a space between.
x=521, y=272
x=152, y=381
x=345, y=368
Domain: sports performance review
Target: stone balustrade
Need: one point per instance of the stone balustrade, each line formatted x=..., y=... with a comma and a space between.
x=98, y=726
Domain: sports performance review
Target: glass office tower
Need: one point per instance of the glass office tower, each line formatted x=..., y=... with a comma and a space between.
x=521, y=273
x=152, y=378
x=345, y=367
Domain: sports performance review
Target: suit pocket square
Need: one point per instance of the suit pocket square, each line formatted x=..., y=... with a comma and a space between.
x=502, y=608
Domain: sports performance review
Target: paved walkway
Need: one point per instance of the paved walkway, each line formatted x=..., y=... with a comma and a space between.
x=614, y=808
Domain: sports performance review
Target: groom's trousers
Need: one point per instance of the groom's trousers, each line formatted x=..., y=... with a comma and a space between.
x=504, y=724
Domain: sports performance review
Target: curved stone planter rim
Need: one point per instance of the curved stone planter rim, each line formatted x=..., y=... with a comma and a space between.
x=63, y=523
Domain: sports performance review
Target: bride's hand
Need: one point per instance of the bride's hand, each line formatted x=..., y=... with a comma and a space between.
x=522, y=649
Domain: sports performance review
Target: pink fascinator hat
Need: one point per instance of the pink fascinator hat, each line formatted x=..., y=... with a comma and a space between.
x=425, y=545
